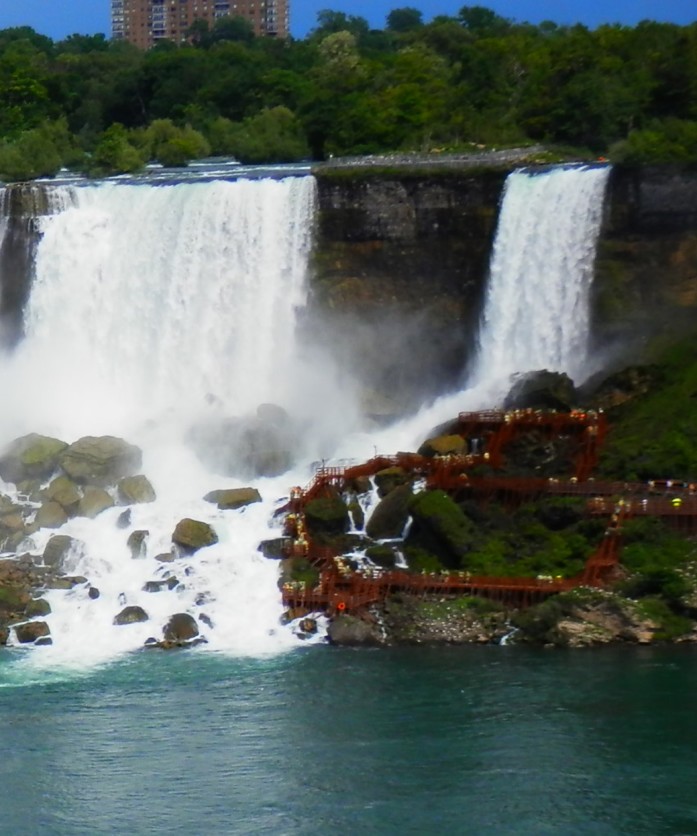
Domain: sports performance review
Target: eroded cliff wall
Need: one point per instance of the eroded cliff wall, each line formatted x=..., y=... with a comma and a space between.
x=401, y=263
x=399, y=271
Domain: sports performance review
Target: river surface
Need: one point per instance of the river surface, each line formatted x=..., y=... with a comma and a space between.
x=480, y=740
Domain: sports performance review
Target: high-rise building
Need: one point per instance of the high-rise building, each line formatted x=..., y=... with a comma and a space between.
x=145, y=22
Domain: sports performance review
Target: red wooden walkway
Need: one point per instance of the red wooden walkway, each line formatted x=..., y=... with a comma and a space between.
x=342, y=590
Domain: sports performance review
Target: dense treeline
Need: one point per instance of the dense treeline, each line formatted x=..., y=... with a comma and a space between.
x=476, y=78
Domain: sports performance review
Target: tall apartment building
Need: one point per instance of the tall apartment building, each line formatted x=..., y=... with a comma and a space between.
x=145, y=22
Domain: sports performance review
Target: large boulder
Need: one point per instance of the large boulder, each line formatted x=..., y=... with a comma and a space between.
x=542, y=390
x=100, y=460
x=390, y=515
x=131, y=615
x=94, y=501
x=49, y=515
x=192, y=535
x=135, y=490
x=30, y=631
x=66, y=493
x=440, y=527
x=327, y=515
x=181, y=627
x=30, y=457
x=353, y=632
x=388, y=479
x=59, y=548
x=231, y=499
x=443, y=445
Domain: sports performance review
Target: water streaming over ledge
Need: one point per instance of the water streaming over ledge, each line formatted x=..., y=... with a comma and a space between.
x=153, y=306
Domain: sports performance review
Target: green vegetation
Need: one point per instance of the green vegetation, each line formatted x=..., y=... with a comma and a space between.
x=461, y=83
x=654, y=435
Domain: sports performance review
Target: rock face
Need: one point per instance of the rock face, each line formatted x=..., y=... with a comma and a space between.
x=391, y=514
x=542, y=390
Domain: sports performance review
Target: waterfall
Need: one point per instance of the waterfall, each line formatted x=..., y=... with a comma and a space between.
x=536, y=313
x=154, y=307
x=151, y=307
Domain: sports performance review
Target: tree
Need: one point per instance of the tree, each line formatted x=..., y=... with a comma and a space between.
x=405, y=19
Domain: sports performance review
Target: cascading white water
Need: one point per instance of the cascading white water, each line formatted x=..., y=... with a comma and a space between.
x=148, y=300
x=536, y=314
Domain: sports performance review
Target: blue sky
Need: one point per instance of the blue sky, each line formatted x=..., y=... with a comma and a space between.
x=59, y=19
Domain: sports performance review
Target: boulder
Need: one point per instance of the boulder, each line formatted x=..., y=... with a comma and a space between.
x=232, y=498
x=192, y=535
x=30, y=457
x=275, y=549
x=441, y=528
x=130, y=615
x=391, y=514
x=124, y=519
x=353, y=632
x=30, y=631
x=327, y=515
x=94, y=501
x=389, y=478
x=37, y=607
x=100, y=460
x=542, y=390
x=66, y=493
x=135, y=490
x=137, y=543
x=181, y=627
x=443, y=445
x=49, y=515
x=58, y=548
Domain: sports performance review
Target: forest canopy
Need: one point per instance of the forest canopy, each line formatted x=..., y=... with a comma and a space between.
x=450, y=84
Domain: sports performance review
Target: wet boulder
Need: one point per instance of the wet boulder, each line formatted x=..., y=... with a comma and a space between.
x=30, y=631
x=30, y=457
x=50, y=515
x=135, y=490
x=231, y=499
x=94, y=501
x=277, y=548
x=59, y=548
x=100, y=460
x=130, y=615
x=441, y=528
x=137, y=543
x=192, y=535
x=542, y=390
x=391, y=514
x=388, y=479
x=348, y=631
x=181, y=627
x=327, y=515
x=66, y=493
x=443, y=445
x=37, y=607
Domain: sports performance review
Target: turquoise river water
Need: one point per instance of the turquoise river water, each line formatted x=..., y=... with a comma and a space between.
x=480, y=740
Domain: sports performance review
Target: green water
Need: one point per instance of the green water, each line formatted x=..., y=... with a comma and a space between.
x=477, y=740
